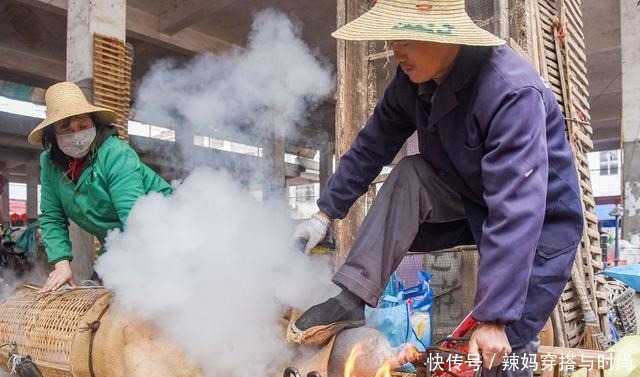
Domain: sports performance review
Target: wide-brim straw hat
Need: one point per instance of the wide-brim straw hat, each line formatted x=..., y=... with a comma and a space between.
x=63, y=100
x=443, y=21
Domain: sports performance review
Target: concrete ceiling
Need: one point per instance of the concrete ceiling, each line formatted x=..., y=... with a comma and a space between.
x=33, y=44
x=33, y=50
x=156, y=28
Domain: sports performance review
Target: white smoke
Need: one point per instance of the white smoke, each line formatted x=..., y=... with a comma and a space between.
x=210, y=266
x=276, y=79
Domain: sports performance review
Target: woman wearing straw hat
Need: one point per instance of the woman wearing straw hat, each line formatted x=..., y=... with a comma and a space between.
x=494, y=169
x=87, y=175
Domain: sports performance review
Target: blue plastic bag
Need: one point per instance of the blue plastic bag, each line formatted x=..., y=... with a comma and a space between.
x=401, y=312
x=419, y=300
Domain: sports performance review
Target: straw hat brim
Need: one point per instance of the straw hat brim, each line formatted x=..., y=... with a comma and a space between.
x=391, y=20
x=103, y=115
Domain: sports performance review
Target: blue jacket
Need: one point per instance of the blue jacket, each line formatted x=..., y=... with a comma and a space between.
x=496, y=135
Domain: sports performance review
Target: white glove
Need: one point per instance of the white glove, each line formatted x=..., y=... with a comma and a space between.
x=311, y=231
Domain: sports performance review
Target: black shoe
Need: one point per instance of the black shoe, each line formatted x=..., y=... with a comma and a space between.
x=330, y=312
x=321, y=322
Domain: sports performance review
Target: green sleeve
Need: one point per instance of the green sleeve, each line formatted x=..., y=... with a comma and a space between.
x=124, y=174
x=53, y=220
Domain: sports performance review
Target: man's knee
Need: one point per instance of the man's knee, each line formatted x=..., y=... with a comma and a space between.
x=410, y=166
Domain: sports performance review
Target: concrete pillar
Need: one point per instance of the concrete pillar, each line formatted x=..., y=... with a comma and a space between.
x=185, y=141
x=33, y=175
x=5, y=205
x=326, y=164
x=84, y=18
x=629, y=37
x=274, y=181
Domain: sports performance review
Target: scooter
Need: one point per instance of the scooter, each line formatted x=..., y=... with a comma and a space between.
x=13, y=261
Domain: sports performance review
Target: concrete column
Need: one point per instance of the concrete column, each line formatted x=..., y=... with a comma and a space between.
x=84, y=18
x=5, y=205
x=184, y=140
x=33, y=175
x=326, y=164
x=630, y=35
x=274, y=181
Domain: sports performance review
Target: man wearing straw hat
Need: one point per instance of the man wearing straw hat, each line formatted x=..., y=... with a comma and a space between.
x=495, y=169
x=87, y=175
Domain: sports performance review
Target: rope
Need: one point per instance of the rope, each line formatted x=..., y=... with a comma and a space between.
x=13, y=362
x=93, y=327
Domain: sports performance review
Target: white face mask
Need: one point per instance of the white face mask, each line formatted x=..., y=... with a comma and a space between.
x=76, y=144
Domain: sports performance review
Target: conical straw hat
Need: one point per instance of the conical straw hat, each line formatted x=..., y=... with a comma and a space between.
x=443, y=21
x=63, y=100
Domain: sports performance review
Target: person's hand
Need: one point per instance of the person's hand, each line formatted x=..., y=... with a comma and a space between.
x=59, y=276
x=491, y=341
x=310, y=232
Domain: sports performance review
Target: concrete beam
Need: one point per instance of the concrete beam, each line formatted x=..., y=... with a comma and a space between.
x=181, y=14
x=58, y=7
x=607, y=144
x=613, y=49
x=610, y=127
x=18, y=156
x=145, y=26
x=309, y=164
x=41, y=67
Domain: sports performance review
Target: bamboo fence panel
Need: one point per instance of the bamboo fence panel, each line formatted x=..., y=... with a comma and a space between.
x=561, y=47
x=112, y=78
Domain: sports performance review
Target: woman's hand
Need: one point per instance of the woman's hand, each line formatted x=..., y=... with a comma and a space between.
x=59, y=276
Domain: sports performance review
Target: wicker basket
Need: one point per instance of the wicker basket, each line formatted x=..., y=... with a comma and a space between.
x=52, y=328
x=625, y=312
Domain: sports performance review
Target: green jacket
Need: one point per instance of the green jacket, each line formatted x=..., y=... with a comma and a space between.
x=110, y=184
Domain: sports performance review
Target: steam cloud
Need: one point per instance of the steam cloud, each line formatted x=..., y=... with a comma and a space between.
x=276, y=79
x=210, y=266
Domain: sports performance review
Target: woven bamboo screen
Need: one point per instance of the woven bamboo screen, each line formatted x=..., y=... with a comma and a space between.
x=559, y=39
x=112, y=78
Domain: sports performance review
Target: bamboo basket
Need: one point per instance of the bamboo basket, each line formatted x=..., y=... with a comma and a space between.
x=77, y=332
x=54, y=329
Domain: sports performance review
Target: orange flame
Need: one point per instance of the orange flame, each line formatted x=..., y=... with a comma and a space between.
x=351, y=361
x=406, y=354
